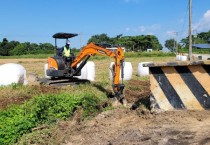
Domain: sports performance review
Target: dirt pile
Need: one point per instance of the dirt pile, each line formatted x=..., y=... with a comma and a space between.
x=124, y=126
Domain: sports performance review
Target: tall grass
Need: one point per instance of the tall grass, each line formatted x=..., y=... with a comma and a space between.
x=148, y=54
x=97, y=57
x=195, y=51
x=139, y=54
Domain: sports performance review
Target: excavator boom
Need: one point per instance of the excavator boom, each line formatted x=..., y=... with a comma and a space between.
x=93, y=49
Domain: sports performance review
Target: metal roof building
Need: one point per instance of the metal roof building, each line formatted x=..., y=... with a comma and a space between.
x=201, y=46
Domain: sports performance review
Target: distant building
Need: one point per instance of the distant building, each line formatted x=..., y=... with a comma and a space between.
x=201, y=46
x=149, y=50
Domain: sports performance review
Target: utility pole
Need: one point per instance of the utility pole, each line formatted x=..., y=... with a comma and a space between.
x=190, y=30
x=176, y=41
x=177, y=51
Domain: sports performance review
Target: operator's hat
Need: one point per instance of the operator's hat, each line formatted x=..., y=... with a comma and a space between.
x=68, y=42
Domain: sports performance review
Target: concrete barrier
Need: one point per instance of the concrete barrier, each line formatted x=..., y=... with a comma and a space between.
x=180, y=85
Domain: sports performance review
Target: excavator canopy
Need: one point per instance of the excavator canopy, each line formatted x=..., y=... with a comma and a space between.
x=62, y=35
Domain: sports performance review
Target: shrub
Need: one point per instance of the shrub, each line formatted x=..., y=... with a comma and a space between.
x=18, y=120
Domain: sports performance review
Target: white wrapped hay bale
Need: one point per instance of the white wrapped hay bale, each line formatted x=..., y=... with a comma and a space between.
x=183, y=58
x=128, y=70
x=143, y=71
x=12, y=73
x=83, y=72
x=45, y=71
x=90, y=66
x=178, y=57
x=88, y=71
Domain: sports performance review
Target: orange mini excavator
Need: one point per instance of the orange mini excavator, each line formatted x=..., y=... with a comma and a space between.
x=58, y=68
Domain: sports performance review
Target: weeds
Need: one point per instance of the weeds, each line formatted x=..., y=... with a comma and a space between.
x=18, y=120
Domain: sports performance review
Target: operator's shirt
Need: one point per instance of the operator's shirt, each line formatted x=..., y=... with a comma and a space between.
x=60, y=51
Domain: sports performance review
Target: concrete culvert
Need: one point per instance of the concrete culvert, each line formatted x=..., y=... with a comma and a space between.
x=12, y=73
x=128, y=70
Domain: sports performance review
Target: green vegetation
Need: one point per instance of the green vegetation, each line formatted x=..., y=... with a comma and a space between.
x=138, y=43
x=148, y=54
x=195, y=51
x=16, y=48
x=27, y=56
x=97, y=57
x=200, y=38
x=203, y=37
x=18, y=120
x=131, y=43
x=47, y=106
x=139, y=55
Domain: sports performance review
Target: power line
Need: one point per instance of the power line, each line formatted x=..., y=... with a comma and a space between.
x=185, y=19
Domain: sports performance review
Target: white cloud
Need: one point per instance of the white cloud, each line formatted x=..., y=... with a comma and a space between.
x=127, y=29
x=181, y=21
x=204, y=23
x=145, y=29
x=172, y=33
x=155, y=27
x=150, y=33
x=141, y=29
x=207, y=15
x=135, y=1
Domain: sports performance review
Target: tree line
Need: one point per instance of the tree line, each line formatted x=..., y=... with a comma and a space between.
x=131, y=43
x=16, y=48
x=203, y=37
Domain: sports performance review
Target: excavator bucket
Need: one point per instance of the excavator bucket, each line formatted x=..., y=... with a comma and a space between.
x=180, y=85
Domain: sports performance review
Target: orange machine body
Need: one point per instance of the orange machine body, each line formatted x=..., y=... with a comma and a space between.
x=52, y=64
x=92, y=49
x=56, y=65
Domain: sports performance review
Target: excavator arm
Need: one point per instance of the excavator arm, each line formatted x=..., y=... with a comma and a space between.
x=93, y=49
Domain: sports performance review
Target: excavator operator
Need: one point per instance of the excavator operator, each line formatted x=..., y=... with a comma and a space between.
x=65, y=50
x=66, y=53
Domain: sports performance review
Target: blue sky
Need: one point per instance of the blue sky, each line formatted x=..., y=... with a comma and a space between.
x=37, y=20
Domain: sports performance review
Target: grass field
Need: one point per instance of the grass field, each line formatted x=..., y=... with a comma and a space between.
x=36, y=65
x=55, y=102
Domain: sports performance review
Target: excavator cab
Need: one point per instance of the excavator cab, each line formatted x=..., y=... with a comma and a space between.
x=66, y=36
x=58, y=65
